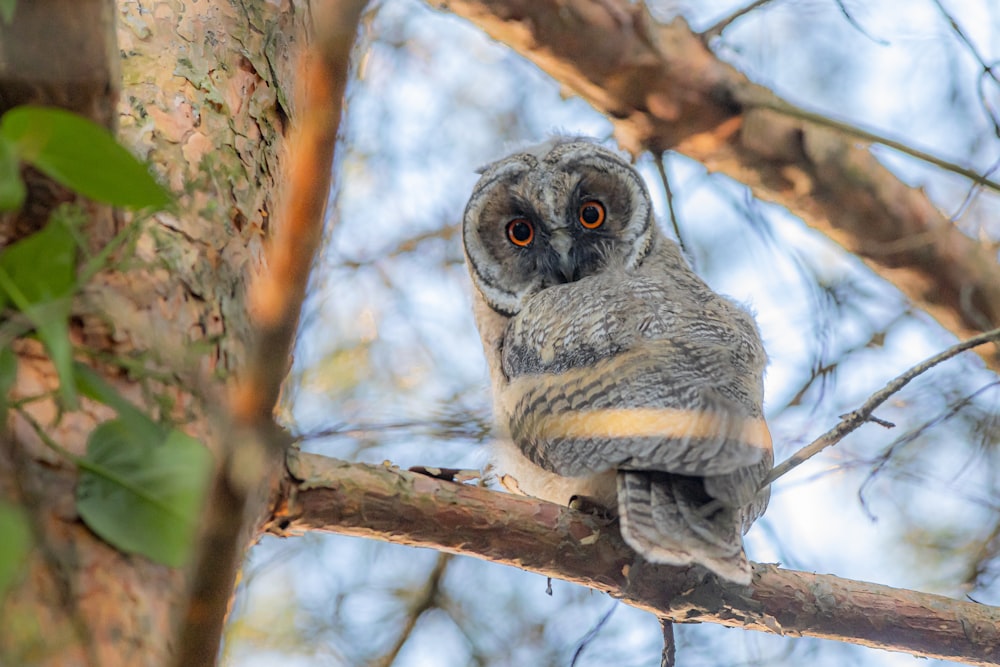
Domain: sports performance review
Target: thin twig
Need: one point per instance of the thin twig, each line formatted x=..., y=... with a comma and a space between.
x=967, y=41
x=669, y=655
x=853, y=420
x=857, y=26
x=592, y=634
x=824, y=120
x=662, y=168
x=988, y=71
x=719, y=26
x=426, y=600
x=883, y=460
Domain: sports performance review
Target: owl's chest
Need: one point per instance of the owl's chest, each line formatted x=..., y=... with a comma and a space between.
x=577, y=324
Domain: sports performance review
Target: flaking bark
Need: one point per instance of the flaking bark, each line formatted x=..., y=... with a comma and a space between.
x=384, y=503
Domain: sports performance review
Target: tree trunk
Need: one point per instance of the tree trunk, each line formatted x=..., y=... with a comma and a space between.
x=203, y=99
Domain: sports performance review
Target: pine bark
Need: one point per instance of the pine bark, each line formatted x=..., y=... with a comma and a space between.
x=384, y=503
x=197, y=89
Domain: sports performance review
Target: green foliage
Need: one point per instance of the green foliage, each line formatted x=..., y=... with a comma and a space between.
x=7, y=8
x=14, y=546
x=81, y=155
x=93, y=386
x=12, y=190
x=8, y=375
x=38, y=273
x=38, y=276
x=143, y=496
x=142, y=484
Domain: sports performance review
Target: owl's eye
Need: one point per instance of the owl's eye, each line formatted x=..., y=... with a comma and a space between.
x=520, y=232
x=591, y=214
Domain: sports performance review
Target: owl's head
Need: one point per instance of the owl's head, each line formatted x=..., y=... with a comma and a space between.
x=553, y=214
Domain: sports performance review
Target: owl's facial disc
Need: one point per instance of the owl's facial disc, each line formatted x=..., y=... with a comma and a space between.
x=548, y=217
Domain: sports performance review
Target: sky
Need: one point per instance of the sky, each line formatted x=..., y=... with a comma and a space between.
x=389, y=366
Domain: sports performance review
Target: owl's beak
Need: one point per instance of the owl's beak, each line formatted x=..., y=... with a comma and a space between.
x=566, y=269
x=562, y=243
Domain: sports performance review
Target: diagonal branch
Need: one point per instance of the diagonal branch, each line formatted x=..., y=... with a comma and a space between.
x=255, y=447
x=720, y=26
x=856, y=418
x=384, y=503
x=663, y=89
x=853, y=420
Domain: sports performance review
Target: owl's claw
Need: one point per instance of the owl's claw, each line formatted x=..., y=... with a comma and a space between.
x=458, y=475
x=591, y=506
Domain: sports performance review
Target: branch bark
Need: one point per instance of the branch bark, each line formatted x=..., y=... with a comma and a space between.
x=387, y=504
x=664, y=89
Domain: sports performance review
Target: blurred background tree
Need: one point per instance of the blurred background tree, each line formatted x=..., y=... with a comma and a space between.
x=388, y=365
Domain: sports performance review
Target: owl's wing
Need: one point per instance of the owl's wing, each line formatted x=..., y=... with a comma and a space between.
x=658, y=406
x=638, y=373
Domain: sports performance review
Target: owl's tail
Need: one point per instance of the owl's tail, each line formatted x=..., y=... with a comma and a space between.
x=660, y=519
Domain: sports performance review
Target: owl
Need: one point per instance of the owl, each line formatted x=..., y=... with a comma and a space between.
x=618, y=375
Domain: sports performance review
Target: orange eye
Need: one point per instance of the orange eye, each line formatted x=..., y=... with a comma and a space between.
x=591, y=214
x=520, y=232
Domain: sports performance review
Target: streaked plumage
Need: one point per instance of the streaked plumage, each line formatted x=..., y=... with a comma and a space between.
x=617, y=373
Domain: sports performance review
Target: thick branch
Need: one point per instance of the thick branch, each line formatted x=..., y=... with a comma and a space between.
x=407, y=508
x=664, y=89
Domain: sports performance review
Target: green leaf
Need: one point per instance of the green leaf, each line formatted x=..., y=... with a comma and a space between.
x=139, y=425
x=12, y=190
x=14, y=546
x=38, y=275
x=82, y=156
x=42, y=266
x=140, y=497
x=8, y=375
x=7, y=8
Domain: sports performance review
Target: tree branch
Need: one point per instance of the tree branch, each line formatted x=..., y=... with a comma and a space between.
x=720, y=26
x=387, y=504
x=237, y=494
x=663, y=89
x=856, y=418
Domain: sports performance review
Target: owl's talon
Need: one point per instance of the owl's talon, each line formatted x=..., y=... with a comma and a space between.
x=589, y=505
x=459, y=475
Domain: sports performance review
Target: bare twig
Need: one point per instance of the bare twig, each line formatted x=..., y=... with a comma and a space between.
x=824, y=120
x=857, y=26
x=591, y=633
x=427, y=599
x=853, y=420
x=883, y=459
x=446, y=233
x=988, y=69
x=669, y=654
x=721, y=25
x=988, y=72
x=662, y=168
